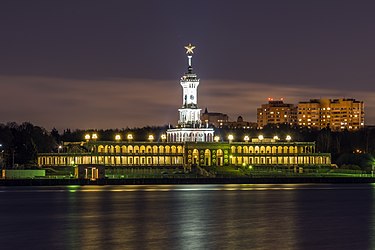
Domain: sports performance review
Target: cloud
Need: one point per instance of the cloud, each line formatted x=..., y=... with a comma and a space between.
x=119, y=103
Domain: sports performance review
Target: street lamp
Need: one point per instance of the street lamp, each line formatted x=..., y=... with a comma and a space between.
x=246, y=138
x=59, y=148
x=94, y=136
x=216, y=138
x=276, y=138
x=230, y=138
x=2, y=157
x=118, y=137
x=129, y=137
x=150, y=138
x=288, y=138
x=87, y=137
x=260, y=137
x=163, y=137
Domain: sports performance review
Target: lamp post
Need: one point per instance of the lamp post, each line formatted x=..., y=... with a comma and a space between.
x=117, y=138
x=151, y=138
x=129, y=137
x=216, y=138
x=163, y=137
x=59, y=149
x=87, y=137
x=246, y=138
x=288, y=138
x=260, y=138
x=230, y=138
x=2, y=157
x=94, y=136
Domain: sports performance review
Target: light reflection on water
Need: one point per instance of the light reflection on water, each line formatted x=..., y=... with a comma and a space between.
x=287, y=216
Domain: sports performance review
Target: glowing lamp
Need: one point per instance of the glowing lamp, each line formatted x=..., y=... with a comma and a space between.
x=130, y=137
x=230, y=137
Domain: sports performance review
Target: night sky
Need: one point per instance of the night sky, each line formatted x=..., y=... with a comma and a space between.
x=117, y=64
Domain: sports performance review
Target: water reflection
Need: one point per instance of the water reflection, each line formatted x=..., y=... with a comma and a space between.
x=188, y=217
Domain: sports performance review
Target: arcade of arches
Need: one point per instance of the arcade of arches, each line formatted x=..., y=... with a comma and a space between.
x=164, y=154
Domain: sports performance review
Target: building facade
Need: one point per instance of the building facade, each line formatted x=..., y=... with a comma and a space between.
x=189, y=124
x=336, y=114
x=276, y=112
x=215, y=119
x=187, y=154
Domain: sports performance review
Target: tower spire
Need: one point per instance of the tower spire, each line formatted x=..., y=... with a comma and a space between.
x=189, y=51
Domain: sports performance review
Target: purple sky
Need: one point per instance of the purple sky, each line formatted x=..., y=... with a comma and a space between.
x=117, y=64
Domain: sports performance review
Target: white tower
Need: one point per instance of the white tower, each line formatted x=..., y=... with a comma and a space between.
x=190, y=114
x=189, y=123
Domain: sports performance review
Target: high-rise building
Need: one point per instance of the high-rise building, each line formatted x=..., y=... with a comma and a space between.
x=189, y=123
x=276, y=112
x=336, y=114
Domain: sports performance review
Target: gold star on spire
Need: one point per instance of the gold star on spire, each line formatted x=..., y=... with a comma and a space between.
x=189, y=49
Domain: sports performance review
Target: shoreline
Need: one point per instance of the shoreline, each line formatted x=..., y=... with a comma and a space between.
x=176, y=181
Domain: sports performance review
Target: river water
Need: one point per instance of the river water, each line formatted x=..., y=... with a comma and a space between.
x=297, y=216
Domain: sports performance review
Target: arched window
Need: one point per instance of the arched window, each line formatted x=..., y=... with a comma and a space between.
x=207, y=157
x=239, y=149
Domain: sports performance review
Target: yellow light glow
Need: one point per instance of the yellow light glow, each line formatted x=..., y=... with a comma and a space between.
x=94, y=136
x=189, y=48
x=260, y=137
x=150, y=137
x=230, y=137
x=216, y=138
x=118, y=137
x=288, y=138
x=246, y=138
x=87, y=137
x=163, y=137
x=130, y=137
x=276, y=138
